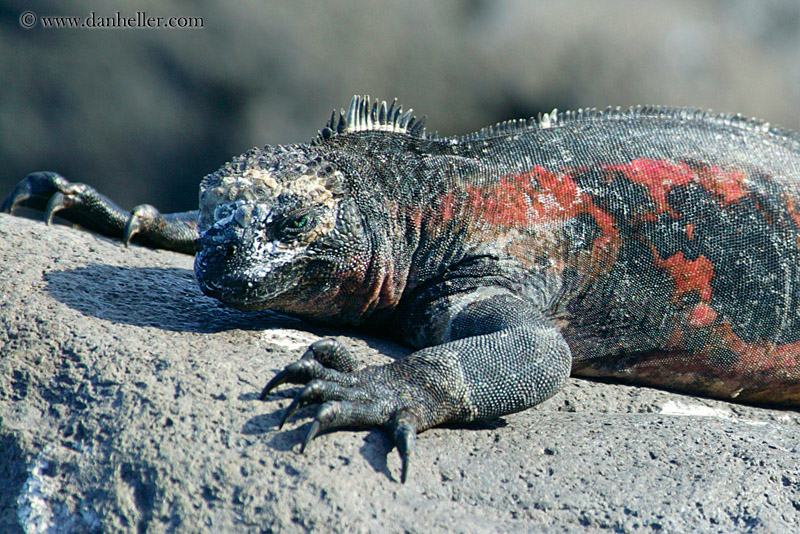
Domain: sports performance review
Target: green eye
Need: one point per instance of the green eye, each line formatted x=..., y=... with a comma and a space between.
x=298, y=223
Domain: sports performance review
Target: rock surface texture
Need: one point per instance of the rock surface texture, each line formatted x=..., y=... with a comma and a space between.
x=129, y=403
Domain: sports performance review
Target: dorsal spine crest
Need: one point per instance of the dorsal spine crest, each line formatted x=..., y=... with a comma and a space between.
x=364, y=115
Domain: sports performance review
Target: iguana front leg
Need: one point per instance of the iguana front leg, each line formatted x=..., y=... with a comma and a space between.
x=497, y=355
x=82, y=204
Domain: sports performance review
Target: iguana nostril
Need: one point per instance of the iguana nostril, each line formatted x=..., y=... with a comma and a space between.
x=242, y=216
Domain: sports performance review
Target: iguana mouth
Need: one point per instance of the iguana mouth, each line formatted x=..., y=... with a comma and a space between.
x=227, y=276
x=242, y=295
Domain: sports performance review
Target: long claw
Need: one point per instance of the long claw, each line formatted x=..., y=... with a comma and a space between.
x=302, y=372
x=40, y=184
x=314, y=392
x=132, y=228
x=143, y=219
x=299, y=372
x=404, y=437
x=276, y=381
x=56, y=203
x=311, y=434
x=293, y=407
x=11, y=201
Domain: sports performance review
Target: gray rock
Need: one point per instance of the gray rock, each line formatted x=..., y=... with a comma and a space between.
x=129, y=403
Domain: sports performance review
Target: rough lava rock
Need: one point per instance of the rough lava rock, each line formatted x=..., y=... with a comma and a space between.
x=129, y=403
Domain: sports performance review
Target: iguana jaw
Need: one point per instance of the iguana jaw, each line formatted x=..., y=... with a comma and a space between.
x=297, y=282
x=224, y=274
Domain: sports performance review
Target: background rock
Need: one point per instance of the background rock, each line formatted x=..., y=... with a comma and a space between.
x=143, y=114
x=129, y=403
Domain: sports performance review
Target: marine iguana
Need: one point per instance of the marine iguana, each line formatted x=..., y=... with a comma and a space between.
x=655, y=245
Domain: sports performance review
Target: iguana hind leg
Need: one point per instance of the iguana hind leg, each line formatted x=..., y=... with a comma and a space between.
x=53, y=194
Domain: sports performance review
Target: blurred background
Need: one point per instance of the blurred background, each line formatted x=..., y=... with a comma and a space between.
x=144, y=114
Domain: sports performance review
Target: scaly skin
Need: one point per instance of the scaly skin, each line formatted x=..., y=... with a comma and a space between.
x=658, y=246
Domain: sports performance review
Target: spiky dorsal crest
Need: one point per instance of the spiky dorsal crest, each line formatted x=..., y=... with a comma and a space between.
x=365, y=115
x=542, y=121
x=557, y=119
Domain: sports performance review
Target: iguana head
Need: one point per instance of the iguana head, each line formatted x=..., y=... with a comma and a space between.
x=272, y=224
x=284, y=228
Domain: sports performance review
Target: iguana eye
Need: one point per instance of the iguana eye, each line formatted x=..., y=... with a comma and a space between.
x=299, y=222
x=296, y=224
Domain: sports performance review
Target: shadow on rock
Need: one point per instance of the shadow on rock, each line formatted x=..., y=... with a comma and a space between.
x=13, y=473
x=375, y=450
x=166, y=298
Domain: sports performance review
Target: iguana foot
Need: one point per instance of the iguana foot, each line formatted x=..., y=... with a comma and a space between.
x=349, y=397
x=53, y=194
x=44, y=191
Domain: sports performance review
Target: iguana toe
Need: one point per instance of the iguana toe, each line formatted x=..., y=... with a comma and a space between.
x=314, y=392
x=338, y=414
x=330, y=353
x=404, y=435
x=132, y=227
x=35, y=191
x=401, y=426
x=302, y=372
x=326, y=359
x=144, y=218
x=56, y=203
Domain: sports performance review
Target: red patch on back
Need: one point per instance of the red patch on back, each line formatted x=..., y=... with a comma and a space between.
x=534, y=197
x=541, y=195
x=504, y=203
x=726, y=185
x=702, y=315
x=660, y=176
x=689, y=275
